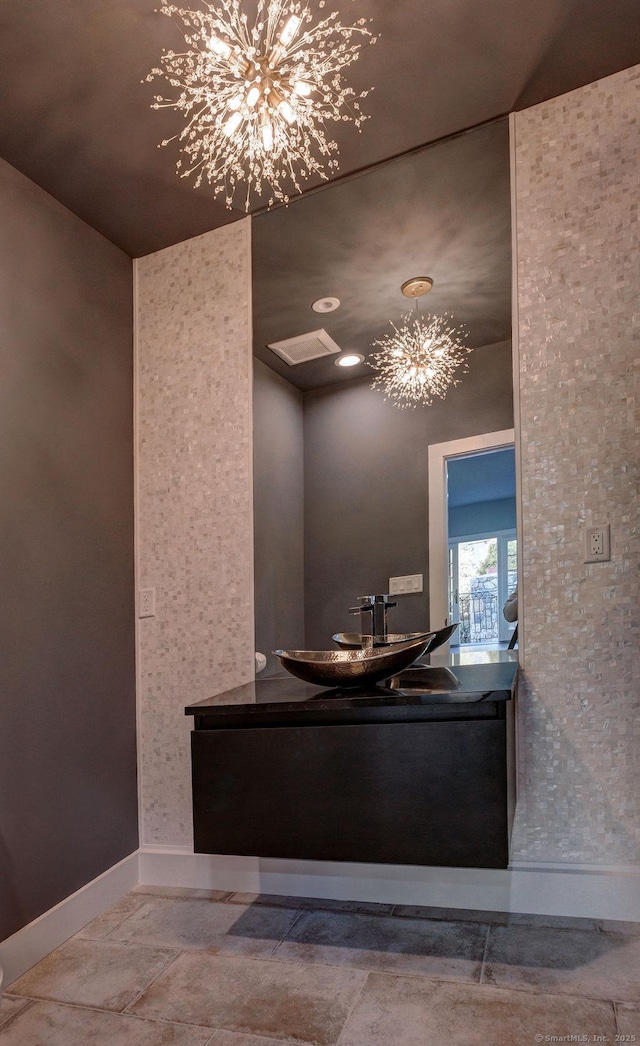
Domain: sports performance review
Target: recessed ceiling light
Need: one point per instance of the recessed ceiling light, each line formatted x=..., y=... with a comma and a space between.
x=349, y=359
x=326, y=305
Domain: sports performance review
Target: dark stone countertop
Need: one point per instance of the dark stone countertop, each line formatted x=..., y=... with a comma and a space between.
x=424, y=687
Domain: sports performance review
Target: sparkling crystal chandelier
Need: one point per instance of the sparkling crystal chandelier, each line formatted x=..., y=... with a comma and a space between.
x=421, y=358
x=256, y=100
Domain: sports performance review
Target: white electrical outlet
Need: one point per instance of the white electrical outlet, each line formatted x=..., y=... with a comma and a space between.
x=147, y=602
x=597, y=544
x=408, y=584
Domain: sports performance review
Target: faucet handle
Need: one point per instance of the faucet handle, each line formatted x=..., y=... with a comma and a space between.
x=372, y=600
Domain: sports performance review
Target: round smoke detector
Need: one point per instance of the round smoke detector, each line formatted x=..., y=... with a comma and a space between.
x=326, y=305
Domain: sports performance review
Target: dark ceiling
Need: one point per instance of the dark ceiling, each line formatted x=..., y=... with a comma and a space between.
x=442, y=212
x=76, y=119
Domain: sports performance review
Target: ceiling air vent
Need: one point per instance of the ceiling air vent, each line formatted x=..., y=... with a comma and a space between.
x=305, y=347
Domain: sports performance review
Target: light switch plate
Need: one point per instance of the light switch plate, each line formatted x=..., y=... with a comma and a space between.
x=406, y=585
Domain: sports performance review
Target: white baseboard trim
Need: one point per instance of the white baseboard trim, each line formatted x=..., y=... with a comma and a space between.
x=571, y=890
x=27, y=946
x=587, y=891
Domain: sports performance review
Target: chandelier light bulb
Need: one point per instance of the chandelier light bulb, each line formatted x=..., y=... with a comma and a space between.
x=267, y=136
x=285, y=110
x=276, y=55
x=287, y=67
x=232, y=124
x=290, y=30
x=419, y=361
x=219, y=47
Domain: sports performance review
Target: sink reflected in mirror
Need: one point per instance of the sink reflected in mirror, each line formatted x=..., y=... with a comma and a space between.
x=424, y=680
x=442, y=636
x=353, y=640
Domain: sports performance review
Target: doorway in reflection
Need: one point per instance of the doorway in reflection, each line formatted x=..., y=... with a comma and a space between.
x=482, y=546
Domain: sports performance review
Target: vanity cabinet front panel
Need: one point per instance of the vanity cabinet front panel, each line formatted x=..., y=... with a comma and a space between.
x=428, y=793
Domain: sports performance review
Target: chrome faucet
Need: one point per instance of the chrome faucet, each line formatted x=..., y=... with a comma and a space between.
x=373, y=619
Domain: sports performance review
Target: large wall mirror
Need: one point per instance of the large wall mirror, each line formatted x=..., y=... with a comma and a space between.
x=341, y=499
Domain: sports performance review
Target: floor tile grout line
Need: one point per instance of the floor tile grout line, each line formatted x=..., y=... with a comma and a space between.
x=163, y=944
x=108, y=936
x=27, y=1005
x=499, y=988
x=615, y=1017
x=555, y=992
x=273, y=958
x=34, y=1000
x=358, y=996
x=166, y=966
x=484, y=955
x=320, y=907
x=411, y=974
x=491, y=916
x=436, y=978
x=75, y=1005
x=285, y=935
x=184, y=894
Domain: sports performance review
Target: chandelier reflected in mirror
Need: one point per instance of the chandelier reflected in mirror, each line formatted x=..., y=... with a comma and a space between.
x=423, y=356
x=257, y=99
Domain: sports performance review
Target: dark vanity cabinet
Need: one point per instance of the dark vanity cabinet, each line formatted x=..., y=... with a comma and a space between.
x=379, y=776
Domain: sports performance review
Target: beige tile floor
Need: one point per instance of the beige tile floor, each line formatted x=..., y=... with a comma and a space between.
x=194, y=968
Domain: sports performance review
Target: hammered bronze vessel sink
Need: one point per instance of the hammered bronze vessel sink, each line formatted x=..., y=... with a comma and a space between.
x=352, y=668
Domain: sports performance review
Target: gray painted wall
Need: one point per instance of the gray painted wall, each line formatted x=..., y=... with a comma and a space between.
x=68, y=807
x=366, y=488
x=278, y=450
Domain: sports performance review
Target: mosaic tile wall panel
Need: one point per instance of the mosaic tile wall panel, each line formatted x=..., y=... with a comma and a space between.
x=194, y=506
x=578, y=240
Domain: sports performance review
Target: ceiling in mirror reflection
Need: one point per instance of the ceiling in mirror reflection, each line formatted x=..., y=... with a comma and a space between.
x=443, y=211
x=476, y=478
